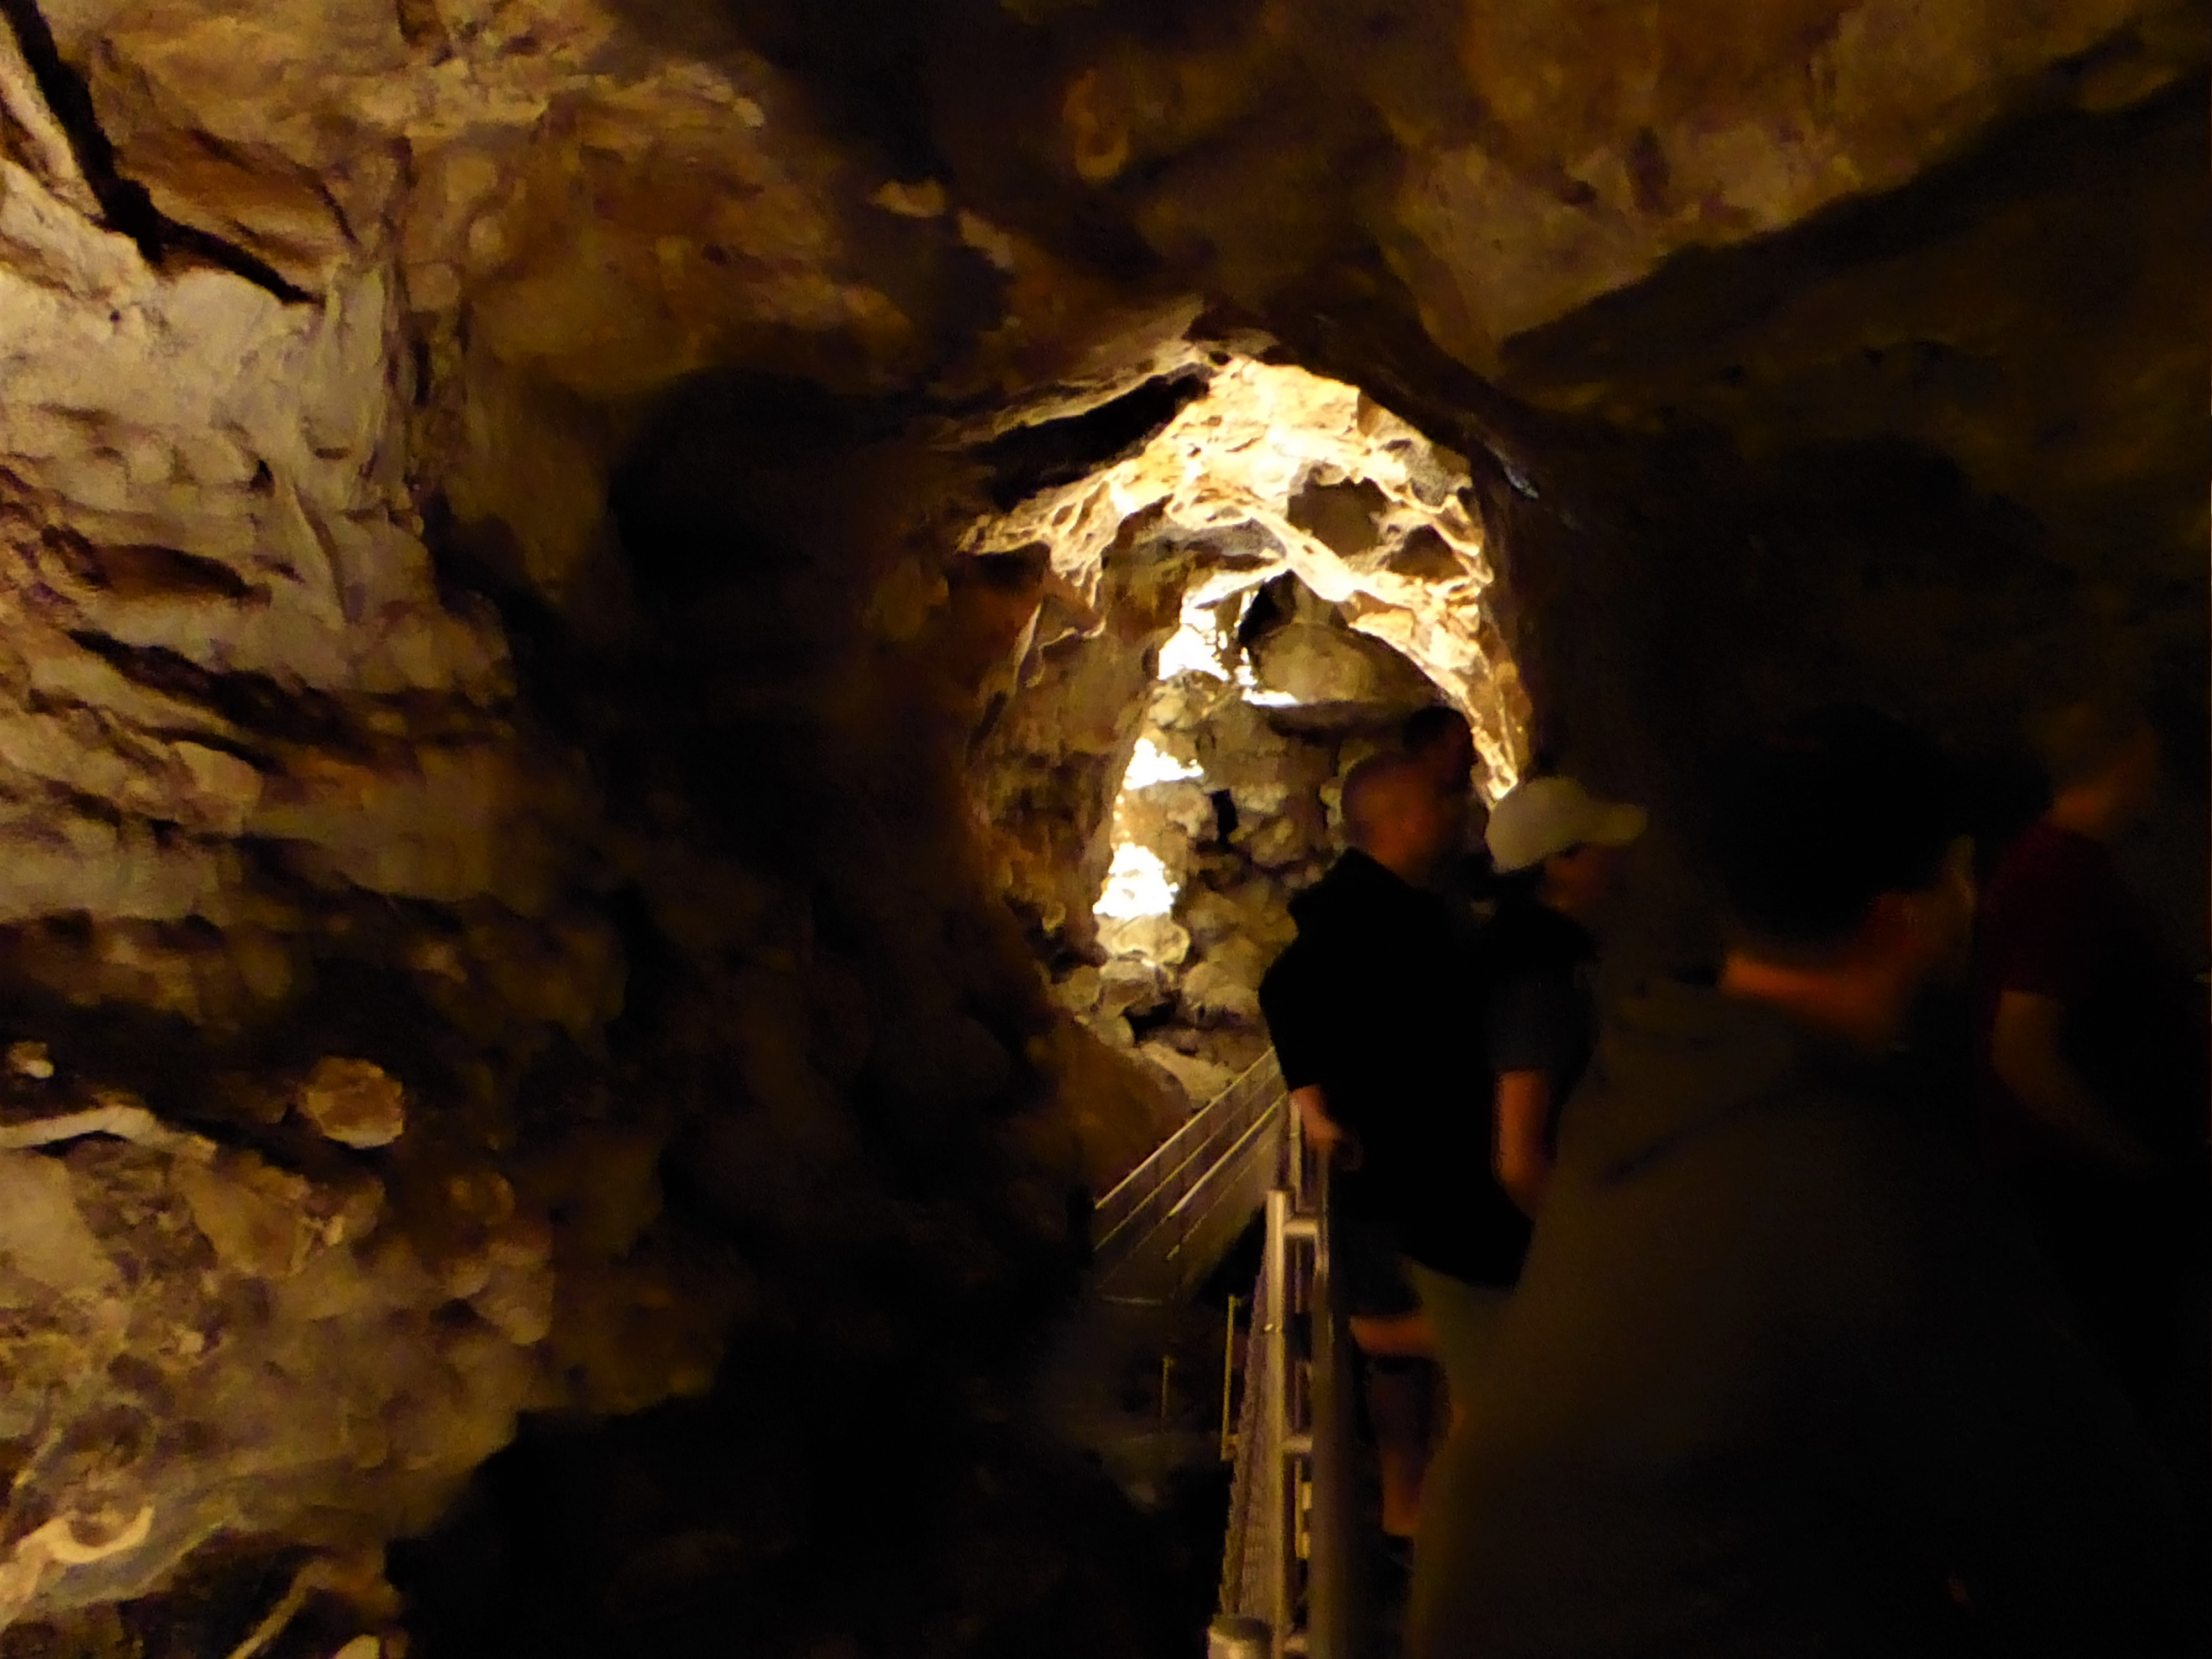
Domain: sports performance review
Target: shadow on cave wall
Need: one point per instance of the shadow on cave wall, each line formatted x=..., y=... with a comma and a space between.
x=1749, y=493
x=1666, y=594
x=848, y=1041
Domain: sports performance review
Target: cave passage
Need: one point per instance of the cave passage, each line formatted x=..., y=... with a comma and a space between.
x=1247, y=605
x=665, y=668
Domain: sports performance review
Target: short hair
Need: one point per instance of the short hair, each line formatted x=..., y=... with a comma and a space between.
x=2079, y=741
x=1807, y=827
x=1424, y=727
x=1369, y=786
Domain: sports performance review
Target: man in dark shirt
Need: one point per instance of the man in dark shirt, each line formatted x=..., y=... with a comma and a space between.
x=1557, y=849
x=1368, y=1011
x=2094, y=1045
x=1781, y=1376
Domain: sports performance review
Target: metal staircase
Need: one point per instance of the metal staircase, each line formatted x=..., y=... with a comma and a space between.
x=1287, y=1582
x=1169, y=1221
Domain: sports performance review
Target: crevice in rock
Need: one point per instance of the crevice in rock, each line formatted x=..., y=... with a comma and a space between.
x=144, y=570
x=1030, y=458
x=784, y=501
x=126, y=205
x=256, y=703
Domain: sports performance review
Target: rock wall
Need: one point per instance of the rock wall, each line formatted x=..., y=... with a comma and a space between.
x=284, y=854
x=1238, y=808
x=1271, y=470
x=850, y=1039
x=364, y=768
x=439, y=1024
x=1895, y=474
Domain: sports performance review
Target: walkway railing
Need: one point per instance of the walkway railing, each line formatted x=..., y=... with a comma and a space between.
x=1288, y=1585
x=1167, y=1224
x=1287, y=1581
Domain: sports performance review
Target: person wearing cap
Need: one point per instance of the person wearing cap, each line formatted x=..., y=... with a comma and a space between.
x=1785, y=1373
x=1557, y=848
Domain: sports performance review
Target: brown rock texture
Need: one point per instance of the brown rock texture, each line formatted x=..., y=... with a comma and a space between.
x=1266, y=472
x=354, y=1103
x=579, y=582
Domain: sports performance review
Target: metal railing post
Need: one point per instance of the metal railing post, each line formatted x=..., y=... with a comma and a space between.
x=1229, y=1380
x=1291, y=1564
x=1280, y=1490
x=1334, y=1599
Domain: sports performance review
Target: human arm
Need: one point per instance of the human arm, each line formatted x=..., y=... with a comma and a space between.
x=2027, y=1053
x=1521, y=1138
x=1531, y=1024
x=1328, y=1137
x=1298, y=1025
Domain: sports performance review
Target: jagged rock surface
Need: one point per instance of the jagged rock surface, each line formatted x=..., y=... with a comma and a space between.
x=651, y=856
x=1270, y=472
x=271, y=777
x=1237, y=814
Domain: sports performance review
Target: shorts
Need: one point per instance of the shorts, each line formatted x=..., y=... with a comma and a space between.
x=1465, y=1320
x=1365, y=1259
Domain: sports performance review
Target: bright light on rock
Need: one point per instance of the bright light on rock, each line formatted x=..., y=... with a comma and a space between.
x=1259, y=697
x=1195, y=645
x=1151, y=764
x=1304, y=474
x=1190, y=652
x=1137, y=884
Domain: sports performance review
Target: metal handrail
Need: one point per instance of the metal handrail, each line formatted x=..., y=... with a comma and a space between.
x=1289, y=1558
x=1116, y=1211
x=1166, y=1224
x=1333, y=1598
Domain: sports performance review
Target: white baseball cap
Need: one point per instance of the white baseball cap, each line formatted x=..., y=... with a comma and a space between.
x=1546, y=816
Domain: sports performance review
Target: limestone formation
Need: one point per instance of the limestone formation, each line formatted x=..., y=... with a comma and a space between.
x=1238, y=487
x=1223, y=814
x=247, y=1352
x=591, y=593
x=355, y=1102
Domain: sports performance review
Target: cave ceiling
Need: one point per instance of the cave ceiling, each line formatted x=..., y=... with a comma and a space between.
x=1647, y=212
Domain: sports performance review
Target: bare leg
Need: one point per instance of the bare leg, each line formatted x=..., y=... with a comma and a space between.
x=1400, y=1386
x=1395, y=1336
x=1398, y=1402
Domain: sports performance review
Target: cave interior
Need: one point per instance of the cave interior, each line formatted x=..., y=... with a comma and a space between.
x=664, y=669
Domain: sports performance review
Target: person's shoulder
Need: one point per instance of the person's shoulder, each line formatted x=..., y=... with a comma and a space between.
x=1874, y=1143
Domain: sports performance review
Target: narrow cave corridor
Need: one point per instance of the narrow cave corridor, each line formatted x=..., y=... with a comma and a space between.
x=665, y=671
x=1236, y=614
